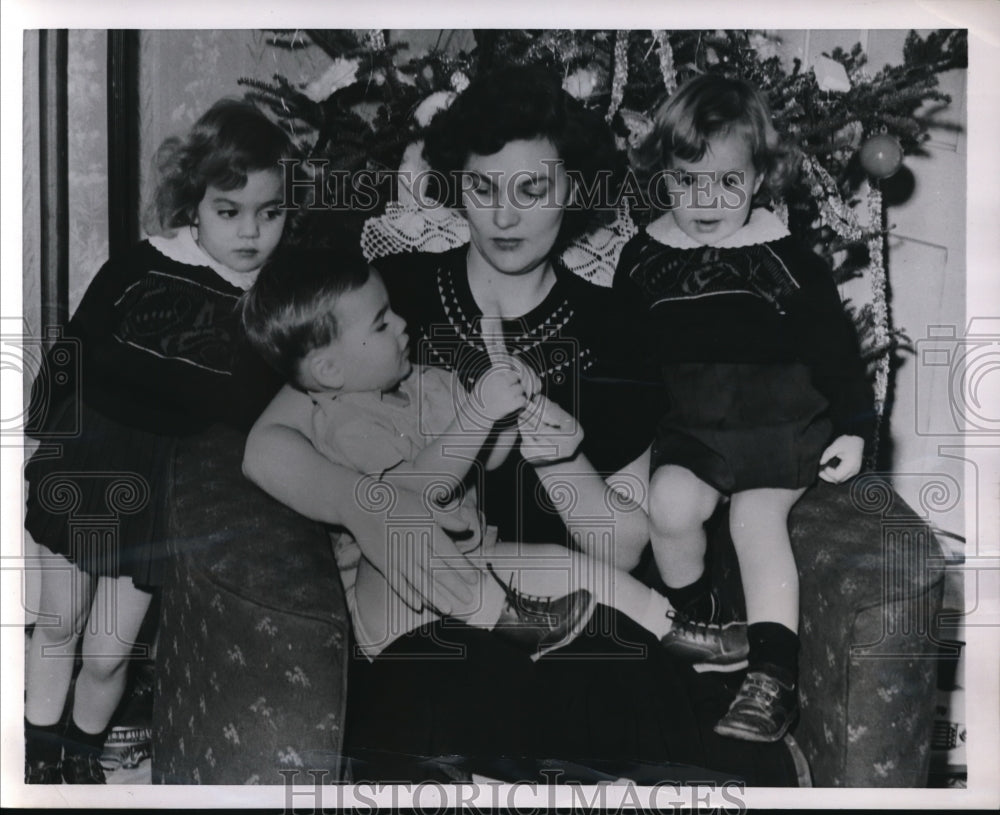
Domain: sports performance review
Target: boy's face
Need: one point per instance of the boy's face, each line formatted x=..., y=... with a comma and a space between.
x=711, y=197
x=240, y=228
x=372, y=349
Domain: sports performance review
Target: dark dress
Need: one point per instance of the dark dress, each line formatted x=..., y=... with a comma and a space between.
x=758, y=359
x=158, y=354
x=449, y=700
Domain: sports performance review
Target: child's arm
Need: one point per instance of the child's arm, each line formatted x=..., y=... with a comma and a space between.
x=606, y=519
x=498, y=393
x=281, y=460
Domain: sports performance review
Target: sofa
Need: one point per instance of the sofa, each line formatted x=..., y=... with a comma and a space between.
x=251, y=673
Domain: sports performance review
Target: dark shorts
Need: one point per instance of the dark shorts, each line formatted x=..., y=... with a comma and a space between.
x=739, y=427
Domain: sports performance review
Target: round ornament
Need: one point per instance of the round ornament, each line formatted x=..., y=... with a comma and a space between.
x=881, y=155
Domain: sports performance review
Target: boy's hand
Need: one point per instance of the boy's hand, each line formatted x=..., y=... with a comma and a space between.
x=842, y=459
x=499, y=392
x=548, y=433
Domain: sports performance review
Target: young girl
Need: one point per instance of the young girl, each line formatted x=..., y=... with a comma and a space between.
x=324, y=321
x=761, y=369
x=162, y=356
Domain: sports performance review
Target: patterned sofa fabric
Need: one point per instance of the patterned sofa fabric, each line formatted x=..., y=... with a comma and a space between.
x=251, y=663
x=251, y=672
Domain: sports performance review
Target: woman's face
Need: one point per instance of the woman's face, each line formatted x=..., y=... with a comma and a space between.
x=514, y=201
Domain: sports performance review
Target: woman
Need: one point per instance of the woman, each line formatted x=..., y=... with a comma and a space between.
x=513, y=150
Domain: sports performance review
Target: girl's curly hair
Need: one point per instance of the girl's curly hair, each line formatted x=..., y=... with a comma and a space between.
x=526, y=102
x=230, y=140
x=708, y=106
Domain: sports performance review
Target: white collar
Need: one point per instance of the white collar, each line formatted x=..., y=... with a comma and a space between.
x=764, y=226
x=182, y=247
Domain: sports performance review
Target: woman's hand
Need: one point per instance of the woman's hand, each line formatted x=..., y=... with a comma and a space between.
x=842, y=459
x=548, y=433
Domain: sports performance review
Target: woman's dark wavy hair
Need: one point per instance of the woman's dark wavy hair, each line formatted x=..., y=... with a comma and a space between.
x=525, y=102
x=711, y=105
x=230, y=140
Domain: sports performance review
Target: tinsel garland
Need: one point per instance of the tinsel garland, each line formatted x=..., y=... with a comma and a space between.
x=833, y=209
x=621, y=74
x=836, y=214
x=666, y=55
x=880, y=308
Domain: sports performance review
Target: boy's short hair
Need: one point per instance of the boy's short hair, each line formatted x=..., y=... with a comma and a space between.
x=288, y=312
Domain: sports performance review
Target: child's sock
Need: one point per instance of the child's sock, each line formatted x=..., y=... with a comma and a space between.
x=80, y=742
x=654, y=616
x=43, y=742
x=775, y=644
x=694, y=599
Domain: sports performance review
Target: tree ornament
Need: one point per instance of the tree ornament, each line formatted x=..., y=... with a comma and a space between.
x=881, y=155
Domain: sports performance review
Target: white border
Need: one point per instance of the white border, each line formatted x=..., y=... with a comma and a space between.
x=981, y=17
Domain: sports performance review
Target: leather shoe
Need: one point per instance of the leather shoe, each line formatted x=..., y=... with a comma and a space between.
x=536, y=623
x=764, y=708
x=706, y=643
x=41, y=771
x=82, y=768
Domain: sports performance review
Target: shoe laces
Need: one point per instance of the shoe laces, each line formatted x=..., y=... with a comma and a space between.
x=699, y=630
x=759, y=687
x=518, y=600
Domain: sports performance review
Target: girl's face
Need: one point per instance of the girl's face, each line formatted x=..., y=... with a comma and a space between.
x=514, y=202
x=711, y=197
x=240, y=228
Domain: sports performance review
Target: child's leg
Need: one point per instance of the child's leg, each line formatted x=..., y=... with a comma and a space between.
x=766, y=704
x=116, y=616
x=679, y=505
x=66, y=593
x=758, y=521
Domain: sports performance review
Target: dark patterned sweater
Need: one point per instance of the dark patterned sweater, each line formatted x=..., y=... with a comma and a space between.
x=769, y=302
x=161, y=348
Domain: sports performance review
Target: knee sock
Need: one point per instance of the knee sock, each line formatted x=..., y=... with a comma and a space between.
x=654, y=616
x=694, y=599
x=775, y=644
x=43, y=742
x=79, y=742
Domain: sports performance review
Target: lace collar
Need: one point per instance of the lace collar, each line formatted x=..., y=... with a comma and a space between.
x=763, y=227
x=182, y=247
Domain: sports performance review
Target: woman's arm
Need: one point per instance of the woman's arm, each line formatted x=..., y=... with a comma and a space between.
x=606, y=519
x=281, y=460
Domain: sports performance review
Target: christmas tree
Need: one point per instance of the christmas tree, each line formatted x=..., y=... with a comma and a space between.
x=850, y=126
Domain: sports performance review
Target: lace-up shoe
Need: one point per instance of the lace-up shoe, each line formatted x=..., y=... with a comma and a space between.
x=536, y=623
x=764, y=708
x=707, y=644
